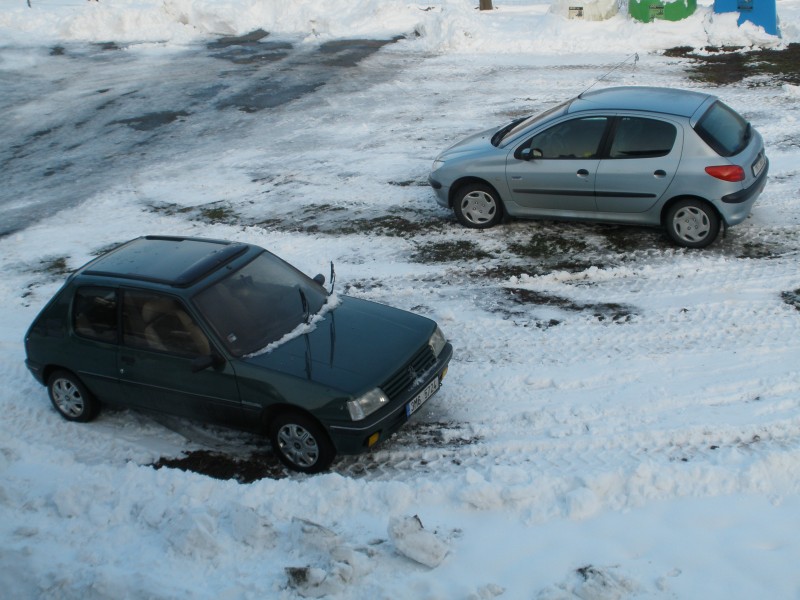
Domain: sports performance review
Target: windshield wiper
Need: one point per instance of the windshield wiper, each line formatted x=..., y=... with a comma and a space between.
x=500, y=133
x=304, y=302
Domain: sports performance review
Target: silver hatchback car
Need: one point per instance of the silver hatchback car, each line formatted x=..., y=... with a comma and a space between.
x=660, y=157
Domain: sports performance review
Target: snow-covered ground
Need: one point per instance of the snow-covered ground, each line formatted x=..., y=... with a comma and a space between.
x=621, y=418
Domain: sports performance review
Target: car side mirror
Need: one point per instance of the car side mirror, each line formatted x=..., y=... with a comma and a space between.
x=530, y=153
x=320, y=278
x=201, y=363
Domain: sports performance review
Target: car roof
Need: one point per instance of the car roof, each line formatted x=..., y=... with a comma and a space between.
x=683, y=103
x=173, y=261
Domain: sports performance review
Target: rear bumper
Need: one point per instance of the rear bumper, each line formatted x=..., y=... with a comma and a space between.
x=36, y=370
x=352, y=438
x=749, y=193
x=736, y=207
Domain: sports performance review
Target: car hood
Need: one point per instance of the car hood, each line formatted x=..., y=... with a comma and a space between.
x=475, y=142
x=354, y=348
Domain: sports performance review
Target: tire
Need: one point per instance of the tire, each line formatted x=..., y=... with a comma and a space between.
x=301, y=443
x=477, y=206
x=71, y=398
x=692, y=223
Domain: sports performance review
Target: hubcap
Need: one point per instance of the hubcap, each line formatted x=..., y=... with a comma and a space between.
x=68, y=398
x=478, y=207
x=691, y=224
x=298, y=445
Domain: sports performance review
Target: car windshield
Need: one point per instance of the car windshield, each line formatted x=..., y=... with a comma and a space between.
x=513, y=128
x=259, y=303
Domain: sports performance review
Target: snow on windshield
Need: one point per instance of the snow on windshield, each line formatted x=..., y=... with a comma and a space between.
x=330, y=304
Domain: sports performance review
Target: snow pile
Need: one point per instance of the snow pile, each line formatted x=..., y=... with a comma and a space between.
x=444, y=25
x=412, y=540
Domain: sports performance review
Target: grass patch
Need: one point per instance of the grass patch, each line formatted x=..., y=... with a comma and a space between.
x=169, y=209
x=213, y=214
x=218, y=214
x=390, y=225
x=440, y=252
x=55, y=266
x=553, y=250
x=546, y=246
x=728, y=65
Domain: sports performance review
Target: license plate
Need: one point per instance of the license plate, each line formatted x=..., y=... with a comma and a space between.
x=422, y=397
x=758, y=166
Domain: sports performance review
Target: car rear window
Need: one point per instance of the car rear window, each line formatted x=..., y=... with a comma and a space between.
x=723, y=129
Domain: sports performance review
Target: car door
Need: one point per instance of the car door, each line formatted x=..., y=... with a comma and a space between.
x=94, y=341
x=642, y=160
x=555, y=170
x=160, y=344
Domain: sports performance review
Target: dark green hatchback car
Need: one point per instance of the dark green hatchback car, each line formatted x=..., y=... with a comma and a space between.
x=229, y=333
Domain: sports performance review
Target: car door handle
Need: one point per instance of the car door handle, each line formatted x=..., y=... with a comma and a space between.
x=659, y=174
x=583, y=173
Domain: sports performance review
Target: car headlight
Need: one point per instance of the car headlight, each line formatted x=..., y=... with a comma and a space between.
x=437, y=341
x=437, y=164
x=366, y=404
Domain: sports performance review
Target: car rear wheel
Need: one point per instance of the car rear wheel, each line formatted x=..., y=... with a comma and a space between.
x=477, y=206
x=692, y=223
x=301, y=443
x=71, y=398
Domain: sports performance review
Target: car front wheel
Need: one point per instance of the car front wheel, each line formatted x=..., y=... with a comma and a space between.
x=477, y=206
x=71, y=398
x=301, y=443
x=692, y=223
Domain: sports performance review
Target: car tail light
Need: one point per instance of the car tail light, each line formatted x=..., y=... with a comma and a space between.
x=727, y=172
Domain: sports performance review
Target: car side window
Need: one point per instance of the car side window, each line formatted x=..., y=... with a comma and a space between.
x=636, y=137
x=158, y=322
x=94, y=313
x=576, y=138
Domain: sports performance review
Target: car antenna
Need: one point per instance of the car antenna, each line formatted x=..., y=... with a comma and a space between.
x=634, y=56
x=333, y=277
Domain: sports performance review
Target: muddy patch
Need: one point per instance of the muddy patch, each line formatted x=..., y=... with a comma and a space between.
x=792, y=298
x=250, y=49
x=602, y=311
x=258, y=465
x=348, y=53
x=153, y=120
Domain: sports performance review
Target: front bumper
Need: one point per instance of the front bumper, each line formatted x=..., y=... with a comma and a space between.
x=354, y=438
x=441, y=191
